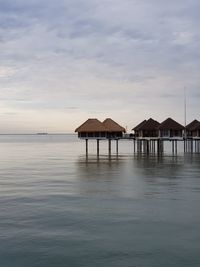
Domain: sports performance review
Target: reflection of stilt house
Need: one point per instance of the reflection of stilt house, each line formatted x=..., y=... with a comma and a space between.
x=114, y=130
x=170, y=128
x=93, y=128
x=147, y=128
x=192, y=129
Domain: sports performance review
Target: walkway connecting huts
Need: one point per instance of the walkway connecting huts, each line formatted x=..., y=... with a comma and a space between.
x=170, y=129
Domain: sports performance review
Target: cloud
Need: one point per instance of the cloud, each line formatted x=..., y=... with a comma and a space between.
x=105, y=57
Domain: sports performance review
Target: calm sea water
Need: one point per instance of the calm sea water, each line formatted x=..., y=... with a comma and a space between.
x=59, y=208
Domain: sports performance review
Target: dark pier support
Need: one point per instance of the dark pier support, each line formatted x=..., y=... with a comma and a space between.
x=173, y=147
x=134, y=145
x=147, y=146
x=97, y=147
x=191, y=146
x=160, y=146
x=109, y=146
x=117, y=146
x=86, y=146
x=154, y=146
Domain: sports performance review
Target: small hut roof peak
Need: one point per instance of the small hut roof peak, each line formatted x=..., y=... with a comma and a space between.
x=138, y=126
x=195, y=127
x=149, y=125
x=113, y=126
x=170, y=124
x=91, y=125
x=192, y=125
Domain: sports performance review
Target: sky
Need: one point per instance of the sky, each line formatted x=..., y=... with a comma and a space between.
x=64, y=61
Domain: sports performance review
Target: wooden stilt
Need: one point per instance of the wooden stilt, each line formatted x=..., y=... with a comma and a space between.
x=109, y=146
x=86, y=146
x=147, y=146
x=117, y=146
x=98, y=147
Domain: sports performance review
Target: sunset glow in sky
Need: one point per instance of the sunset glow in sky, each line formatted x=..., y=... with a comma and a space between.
x=64, y=61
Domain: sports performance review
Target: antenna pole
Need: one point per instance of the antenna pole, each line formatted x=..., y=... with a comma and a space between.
x=185, y=110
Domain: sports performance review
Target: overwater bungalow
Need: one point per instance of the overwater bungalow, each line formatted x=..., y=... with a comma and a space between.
x=114, y=130
x=136, y=128
x=195, y=130
x=148, y=128
x=191, y=128
x=170, y=128
x=92, y=128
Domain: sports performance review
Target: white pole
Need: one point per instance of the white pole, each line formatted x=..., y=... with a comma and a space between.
x=185, y=111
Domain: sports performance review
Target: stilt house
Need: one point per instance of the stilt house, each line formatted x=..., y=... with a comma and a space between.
x=170, y=128
x=148, y=128
x=192, y=129
x=93, y=128
x=136, y=128
x=114, y=130
x=196, y=130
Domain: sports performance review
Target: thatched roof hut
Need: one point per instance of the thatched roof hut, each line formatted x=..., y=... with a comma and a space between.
x=191, y=128
x=196, y=126
x=195, y=130
x=91, y=125
x=93, y=128
x=150, y=125
x=170, y=124
x=113, y=126
x=192, y=124
x=114, y=130
x=170, y=128
x=147, y=128
x=139, y=125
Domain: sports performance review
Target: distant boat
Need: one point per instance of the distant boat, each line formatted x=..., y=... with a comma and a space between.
x=42, y=133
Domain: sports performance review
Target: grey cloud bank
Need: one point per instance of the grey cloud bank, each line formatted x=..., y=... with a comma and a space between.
x=65, y=61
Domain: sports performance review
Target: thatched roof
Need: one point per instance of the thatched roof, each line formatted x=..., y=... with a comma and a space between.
x=192, y=125
x=149, y=125
x=91, y=125
x=113, y=126
x=136, y=128
x=195, y=127
x=170, y=124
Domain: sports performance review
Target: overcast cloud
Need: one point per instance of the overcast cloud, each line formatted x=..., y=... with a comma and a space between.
x=64, y=61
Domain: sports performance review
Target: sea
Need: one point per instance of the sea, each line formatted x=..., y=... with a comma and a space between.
x=60, y=207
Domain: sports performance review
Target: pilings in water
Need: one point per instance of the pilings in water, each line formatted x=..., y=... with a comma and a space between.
x=117, y=146
x=109, y=146
x=151, y=146
x=98, y=147
x=86, y=146
x=148, y=146
x=192, y=145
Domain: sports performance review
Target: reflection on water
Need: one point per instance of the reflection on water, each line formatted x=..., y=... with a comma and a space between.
x=61, y=208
